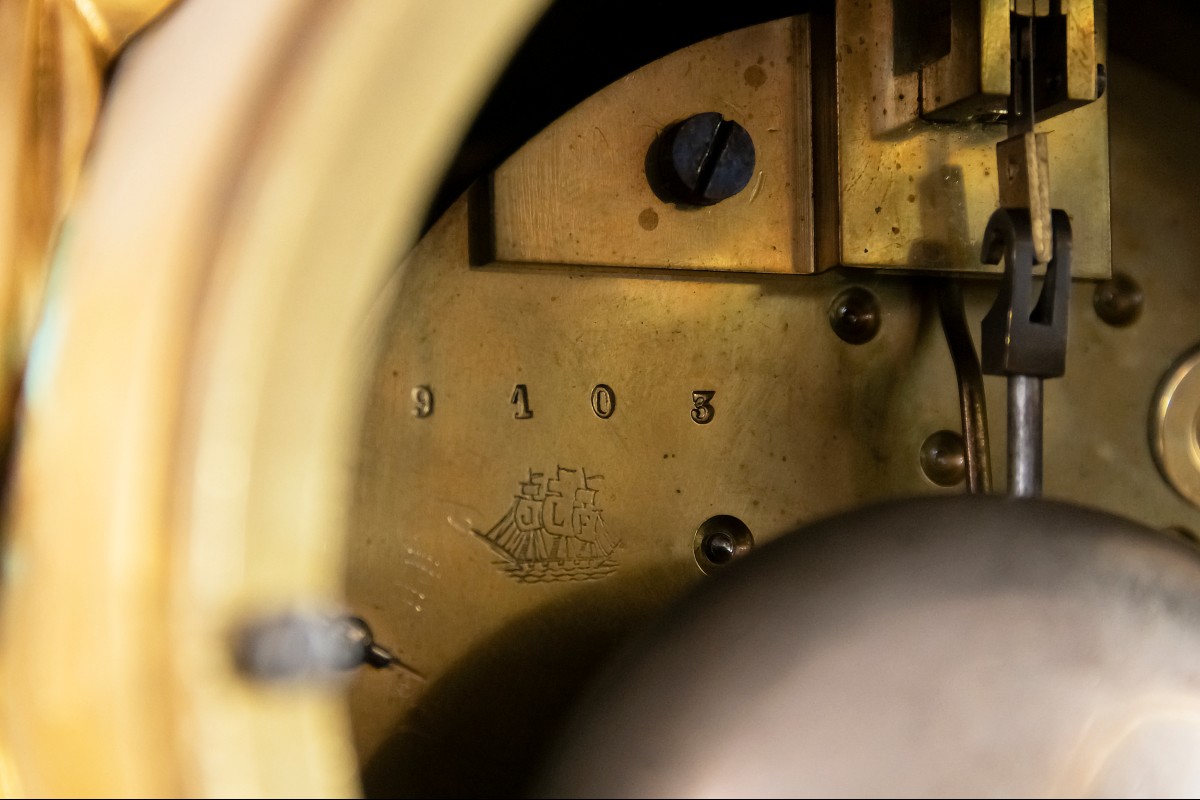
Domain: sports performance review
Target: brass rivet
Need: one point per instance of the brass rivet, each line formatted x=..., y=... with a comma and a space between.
x=855, y=315
x=1118, y=301
x=944, y=458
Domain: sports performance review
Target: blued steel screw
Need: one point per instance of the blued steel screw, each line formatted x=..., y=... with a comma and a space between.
x=702, y=160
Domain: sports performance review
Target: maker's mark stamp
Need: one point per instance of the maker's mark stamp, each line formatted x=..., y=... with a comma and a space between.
x=554, y=530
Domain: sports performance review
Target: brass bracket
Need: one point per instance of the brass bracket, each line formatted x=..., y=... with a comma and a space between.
x=848, y=170
x=910, y=192
x=971, y=81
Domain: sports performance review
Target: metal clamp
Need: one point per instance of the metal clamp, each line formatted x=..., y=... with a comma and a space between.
x=1023, y=339
x=1019, y=336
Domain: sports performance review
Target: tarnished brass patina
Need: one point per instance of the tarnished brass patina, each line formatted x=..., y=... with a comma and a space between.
x=1175, y=427
x=250, y=396
x=974, y=78
x=1031, y=8
x=972, y=81
x=579, y=194
x=569, y=399
x=913, y=194
x=847, y=171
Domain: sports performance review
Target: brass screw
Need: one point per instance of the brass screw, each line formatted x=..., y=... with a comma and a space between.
x=1118, y=301
x=855, y=316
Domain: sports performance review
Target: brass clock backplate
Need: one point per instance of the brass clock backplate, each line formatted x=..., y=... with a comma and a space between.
x=542, y=443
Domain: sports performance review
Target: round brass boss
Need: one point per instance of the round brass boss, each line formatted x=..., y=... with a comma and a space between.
x=1175, y=427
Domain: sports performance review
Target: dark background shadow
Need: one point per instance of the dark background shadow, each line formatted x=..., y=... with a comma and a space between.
x=482, y=729
x=580, y=47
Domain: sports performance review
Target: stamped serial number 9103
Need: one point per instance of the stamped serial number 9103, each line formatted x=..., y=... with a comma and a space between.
x=603, y=400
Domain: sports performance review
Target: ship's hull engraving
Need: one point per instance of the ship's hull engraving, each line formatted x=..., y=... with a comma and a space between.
x=554, y=530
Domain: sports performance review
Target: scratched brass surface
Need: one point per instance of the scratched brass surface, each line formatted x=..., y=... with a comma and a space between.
x=918, y=195
x=974, y=77
x=803, y=425
x=578, y=194
x=1083, y=51
x=880, y=188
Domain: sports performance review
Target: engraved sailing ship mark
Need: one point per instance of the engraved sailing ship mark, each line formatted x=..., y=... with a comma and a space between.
x=554, y=530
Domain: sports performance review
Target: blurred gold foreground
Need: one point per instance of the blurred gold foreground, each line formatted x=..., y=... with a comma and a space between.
x=192, y=378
